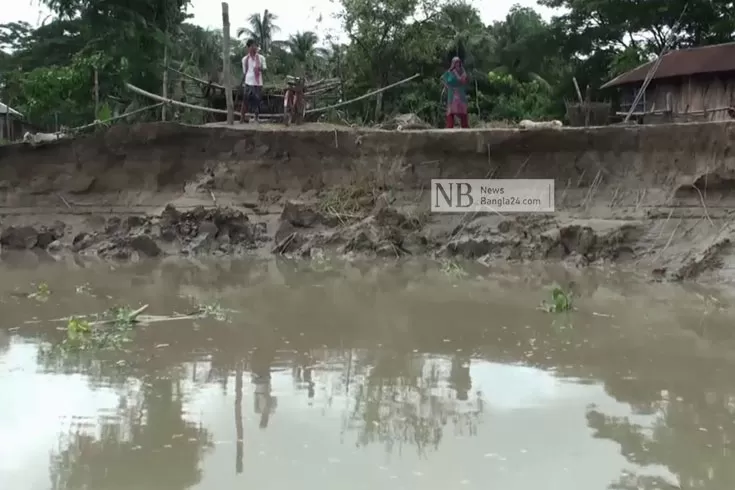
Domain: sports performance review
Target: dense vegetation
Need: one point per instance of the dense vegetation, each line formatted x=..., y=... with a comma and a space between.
x=521, y=67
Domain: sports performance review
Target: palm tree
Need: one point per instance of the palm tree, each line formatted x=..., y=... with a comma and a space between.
x=467, y=31
x=302, y=45
x=304, y=50
x=261, y=28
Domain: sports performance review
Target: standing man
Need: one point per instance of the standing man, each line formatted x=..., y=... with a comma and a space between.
x=253, y=66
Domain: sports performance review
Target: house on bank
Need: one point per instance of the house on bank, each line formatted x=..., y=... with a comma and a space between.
x=11, y=123
x=694, y=84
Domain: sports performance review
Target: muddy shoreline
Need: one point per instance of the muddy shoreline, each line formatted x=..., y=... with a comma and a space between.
x=653, y=198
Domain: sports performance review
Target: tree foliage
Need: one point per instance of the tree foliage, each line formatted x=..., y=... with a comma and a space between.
x=520, y=67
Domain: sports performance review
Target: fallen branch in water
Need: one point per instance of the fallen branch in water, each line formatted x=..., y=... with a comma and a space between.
x=135, y=316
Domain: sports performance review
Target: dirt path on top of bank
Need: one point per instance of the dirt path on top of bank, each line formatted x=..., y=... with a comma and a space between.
x=657, y=198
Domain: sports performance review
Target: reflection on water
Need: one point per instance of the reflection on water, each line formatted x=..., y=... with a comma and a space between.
x=397, y=380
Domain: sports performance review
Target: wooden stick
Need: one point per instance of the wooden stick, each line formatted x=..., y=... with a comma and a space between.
x=579, y=92
x=654, y=68
x=96, y=123
x=199, y=80
x=137, y=312
x=96, y=93
x=226, y=63
x=688, y=113
x=164, y=90
x=144, y=93
x=321, y=90
x=365, y=96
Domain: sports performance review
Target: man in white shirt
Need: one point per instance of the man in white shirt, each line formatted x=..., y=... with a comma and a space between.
x=253, y=66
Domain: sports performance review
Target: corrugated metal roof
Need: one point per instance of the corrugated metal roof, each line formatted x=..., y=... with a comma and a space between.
x=4, y=109
x=716, y=58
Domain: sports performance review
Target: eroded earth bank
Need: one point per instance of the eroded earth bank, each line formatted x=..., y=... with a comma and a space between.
x=657, y=198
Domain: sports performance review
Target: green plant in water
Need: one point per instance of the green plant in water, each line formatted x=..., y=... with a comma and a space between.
x=77, y=327
x=41, y=293
x=561, y=301
x=110, y=330
x=121, y=316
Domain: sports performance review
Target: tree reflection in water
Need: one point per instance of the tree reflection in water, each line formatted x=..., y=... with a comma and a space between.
x=410, y=399
x=264, y=403
x=692, y=435
x=151, y=447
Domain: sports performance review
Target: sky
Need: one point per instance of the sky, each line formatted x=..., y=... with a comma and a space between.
x=292, y=16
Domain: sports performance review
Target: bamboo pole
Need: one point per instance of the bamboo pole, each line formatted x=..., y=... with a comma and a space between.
x=687, y=112
x=226, y=63
x=654, y=68
x=579, y=92
x=112, y=119
x=364, y=96
x=199, y=80
x=96, y=93
x=145, y=93
x=64, y=134
x=164, y=90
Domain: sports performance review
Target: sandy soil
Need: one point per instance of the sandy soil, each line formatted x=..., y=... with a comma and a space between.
x=657, y=198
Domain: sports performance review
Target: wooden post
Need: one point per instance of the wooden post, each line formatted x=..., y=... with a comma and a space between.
x=579, y=92
x=96, y=93
x=165, y=80
x=226, y=63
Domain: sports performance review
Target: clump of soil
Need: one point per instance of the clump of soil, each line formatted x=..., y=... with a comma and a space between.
x=306, y=229
x=533, y=238
x=198, y=231
x=29, y=237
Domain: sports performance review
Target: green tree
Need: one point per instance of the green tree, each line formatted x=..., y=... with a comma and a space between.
x=261, y=28
x=51, y=70
x=306, y=55
x=521, y=45
x=383, y=40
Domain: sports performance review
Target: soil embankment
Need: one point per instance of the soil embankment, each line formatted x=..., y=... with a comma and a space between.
x=657, y=197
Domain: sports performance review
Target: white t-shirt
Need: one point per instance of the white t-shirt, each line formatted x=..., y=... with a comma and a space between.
x=249, y=63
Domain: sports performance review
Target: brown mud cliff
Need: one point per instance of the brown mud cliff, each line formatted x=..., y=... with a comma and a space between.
x=655, y=197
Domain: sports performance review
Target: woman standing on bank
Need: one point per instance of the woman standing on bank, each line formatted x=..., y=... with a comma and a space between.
x=455, y=82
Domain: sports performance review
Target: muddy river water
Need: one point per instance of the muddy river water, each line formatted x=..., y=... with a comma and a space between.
x=349, y=376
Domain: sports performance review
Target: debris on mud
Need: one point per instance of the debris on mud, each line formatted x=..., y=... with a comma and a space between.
x=531, y=238
x=697, y=263
x=197, y=231
x=405, y=121
x=368, y=221
x=360, y=227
